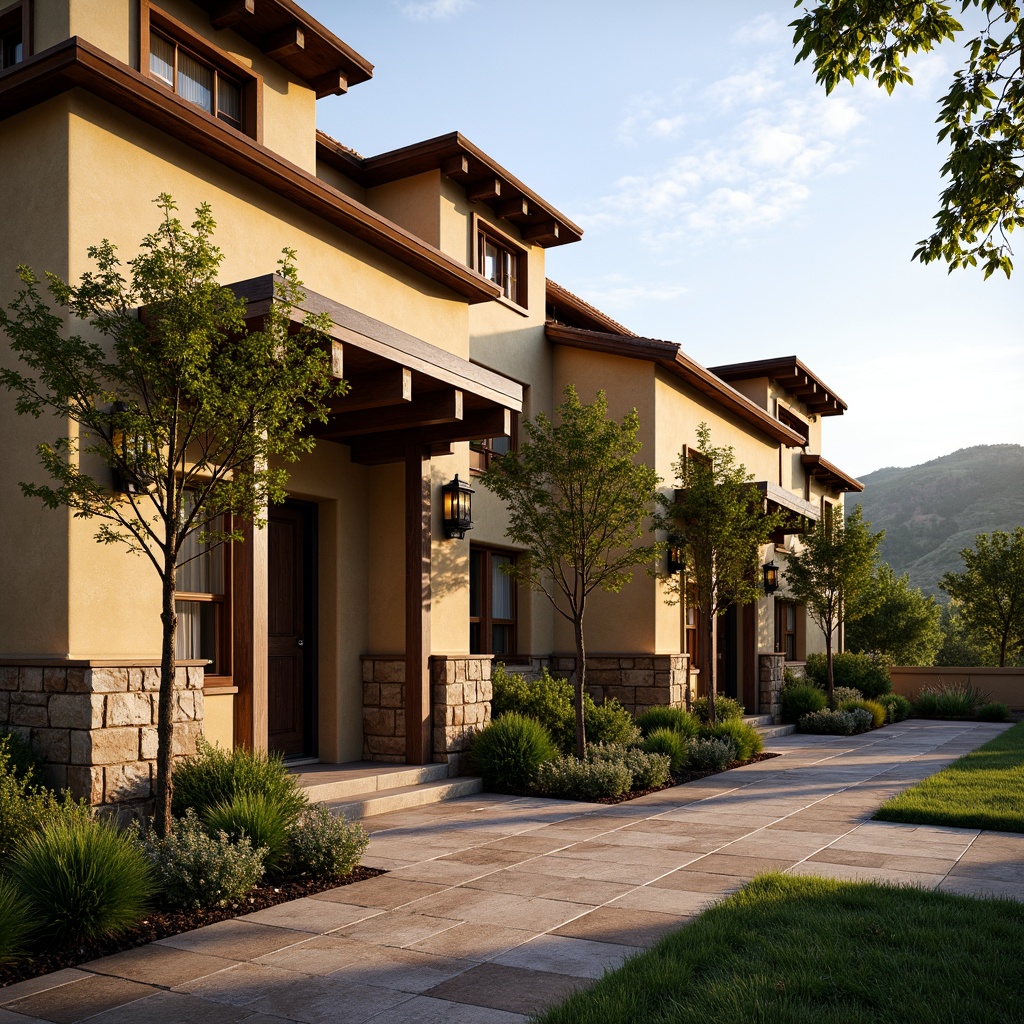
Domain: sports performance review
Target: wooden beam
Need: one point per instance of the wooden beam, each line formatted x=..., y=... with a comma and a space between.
x=337, y=359
x=249, y=629
x=513, y=208
x=334, y=83
x=285, y=42
x=374, y=390
x=228, y=12
x=545, y=231
x=455, y=166
x=387, y=447
x=484, y=190
x=418, y=746
x=435, y=407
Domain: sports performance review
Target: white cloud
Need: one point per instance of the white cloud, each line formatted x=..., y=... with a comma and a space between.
x=765, y=28
x=619, y=292
x=435, y=10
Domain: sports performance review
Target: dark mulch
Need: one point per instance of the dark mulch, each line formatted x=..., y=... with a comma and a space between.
x=159, y=925
x=681, y=779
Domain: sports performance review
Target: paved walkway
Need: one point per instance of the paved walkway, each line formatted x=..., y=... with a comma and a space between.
x=496, y=907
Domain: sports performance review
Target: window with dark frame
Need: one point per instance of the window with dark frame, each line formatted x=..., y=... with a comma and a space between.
x=202, y=603
x=485, y=450
x=15, y=28
x=785, y=629
x=794, y=422
x=500, y=260
x=693, y=631
x=195, y=80
x=492, y=602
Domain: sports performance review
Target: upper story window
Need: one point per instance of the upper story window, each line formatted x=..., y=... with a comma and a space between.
x=501, y=260
x=15, y=30
x=484, y=451
x=794, y=422
x=198, y=72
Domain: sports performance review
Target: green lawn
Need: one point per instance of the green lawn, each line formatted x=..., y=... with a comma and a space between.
x=983, y=789
x=788, y=950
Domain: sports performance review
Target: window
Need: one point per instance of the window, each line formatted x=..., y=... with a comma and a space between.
x=785, y=629
x=198, y=72
x=15, y=33
x=482, y=452
x=201, y=601
x=693, y=630
x=794, y=422
x=502, y=261
x=492, y=603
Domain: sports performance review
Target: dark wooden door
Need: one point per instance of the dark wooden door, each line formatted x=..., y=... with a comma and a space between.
x=291, y=614
x=727, y=674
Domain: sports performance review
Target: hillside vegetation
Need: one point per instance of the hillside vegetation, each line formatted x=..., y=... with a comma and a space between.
x=930, y=512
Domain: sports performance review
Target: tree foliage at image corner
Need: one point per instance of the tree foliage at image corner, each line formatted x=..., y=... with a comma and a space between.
x=577, y=500
x=181, y=415
x=981, y=115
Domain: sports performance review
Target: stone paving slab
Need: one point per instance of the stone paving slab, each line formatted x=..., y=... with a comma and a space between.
x=496, y=907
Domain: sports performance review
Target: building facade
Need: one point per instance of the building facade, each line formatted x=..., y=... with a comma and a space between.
x=350, y=628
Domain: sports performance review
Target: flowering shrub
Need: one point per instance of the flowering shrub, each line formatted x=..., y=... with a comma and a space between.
x=324, y=846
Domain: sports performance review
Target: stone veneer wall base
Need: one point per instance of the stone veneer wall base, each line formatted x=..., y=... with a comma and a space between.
x=771, y=675
x=638, y=681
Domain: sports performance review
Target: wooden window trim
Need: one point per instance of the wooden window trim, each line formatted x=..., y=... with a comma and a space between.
x=251, y=82
x=795, y=422
x=481, y=229
x=481, y=454
x=485, y=619
x=18, y=15
x=782, y=632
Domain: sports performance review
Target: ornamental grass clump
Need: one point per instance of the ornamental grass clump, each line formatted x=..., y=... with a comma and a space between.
x=801, y=698
x=897, y=707
x=745, y=738
x=674, y=745
x=83, y=878
x=572, y=779
x=266, y=821
x=949, y=700
x=324, y=845
x=677, y=719
x=829, y=723
x=994, y=711
x=508, y=752
x=710, y=755
x=726, y=708
x=16, y=923
x=197, y=869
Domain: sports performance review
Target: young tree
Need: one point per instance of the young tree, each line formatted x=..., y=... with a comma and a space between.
x=903, y=625
x=982, y=113
x=187, y=407
x=990, y=592
x=723, y=524
x=961, y=645
x=833, y=573
x=577, y=501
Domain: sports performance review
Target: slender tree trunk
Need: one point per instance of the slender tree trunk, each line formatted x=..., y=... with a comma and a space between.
x=828, y=663
x=712, y=664
x=165, y=713
x=581, y=679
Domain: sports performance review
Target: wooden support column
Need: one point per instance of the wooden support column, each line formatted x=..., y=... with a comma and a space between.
x=418, y=738
x=249, y=582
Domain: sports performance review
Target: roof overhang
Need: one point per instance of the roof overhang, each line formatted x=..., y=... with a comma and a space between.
x=795, y=378
x=484, y=180
x=296, y=40
x=403, y=390
x=830, y=475
x=671, y=358
x=566, y=308
x=76, y=63
x=796, y=514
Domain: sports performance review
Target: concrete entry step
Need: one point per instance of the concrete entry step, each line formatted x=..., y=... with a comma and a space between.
x=402, y=798
x=332, y=782
x=763, y=724
x=757, y=721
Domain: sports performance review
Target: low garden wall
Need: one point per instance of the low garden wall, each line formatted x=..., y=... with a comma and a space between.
x=1005, y=685
x=638, y=681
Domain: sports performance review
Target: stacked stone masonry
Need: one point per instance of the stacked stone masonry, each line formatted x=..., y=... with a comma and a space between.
x=771, y=675
x=384, y=708
x=461, y=694
x=638, y=682
x=96, y=728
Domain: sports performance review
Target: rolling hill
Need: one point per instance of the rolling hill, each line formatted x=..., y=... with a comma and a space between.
x=932, y=511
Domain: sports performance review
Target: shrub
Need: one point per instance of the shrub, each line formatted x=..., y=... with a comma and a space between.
x=994, y=711
x=832, y=723
x=676, y=719
x=509, y=750
x=801, y=699
x=324, y=845
x=264, y=820
x=897, y=707
x=863, y=672
x=925, y=704
x=608, y=722
x=83, y=878
x=710, y=754
x=862, y=719
x=841, y=694
x=199, y=870
x=23, y=762
x=572, y=779
x=726, y=708
x=548, y=700
x=671, y=743
x=949, y=700
x=16, y=922
x=872, y=707
x=745, y=738
x=647, y=770
x=215, y=776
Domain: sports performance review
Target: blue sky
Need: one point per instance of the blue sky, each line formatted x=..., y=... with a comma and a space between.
x=727, y=204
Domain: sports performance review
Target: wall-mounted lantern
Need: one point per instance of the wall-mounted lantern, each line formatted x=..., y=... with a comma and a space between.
x=676, y=554
x=458, y=509
x=771, y=577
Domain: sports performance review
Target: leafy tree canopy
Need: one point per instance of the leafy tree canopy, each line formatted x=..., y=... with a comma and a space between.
x=981, y=115
x=577, y=501
x=168, y=397
x=903, y=625
x=990, y=592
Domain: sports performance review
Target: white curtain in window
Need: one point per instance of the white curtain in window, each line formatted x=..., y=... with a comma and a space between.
x=195, y=81
x=188, y=641
x=229, y=100
x=201, y=569
x=501, y=584
x=161, y=59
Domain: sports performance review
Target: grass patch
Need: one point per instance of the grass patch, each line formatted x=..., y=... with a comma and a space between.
x=983, y=789
x=788, y=950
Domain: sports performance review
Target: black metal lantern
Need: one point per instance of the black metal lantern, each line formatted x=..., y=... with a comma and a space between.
x=676, y=554
x=771, y=577
x=458, y=509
